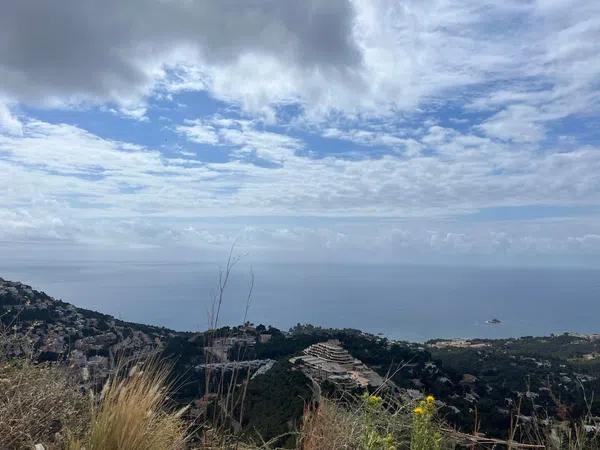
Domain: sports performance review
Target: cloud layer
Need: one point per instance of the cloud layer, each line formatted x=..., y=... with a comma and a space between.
x=83, y=51
x=438, y=127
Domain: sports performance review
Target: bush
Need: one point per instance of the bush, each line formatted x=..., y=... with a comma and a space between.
x=39, y=403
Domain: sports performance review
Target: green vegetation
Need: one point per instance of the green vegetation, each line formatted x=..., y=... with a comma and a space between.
x=376, y=434
x=280, y=411
x=425, y=435
x=535, y=377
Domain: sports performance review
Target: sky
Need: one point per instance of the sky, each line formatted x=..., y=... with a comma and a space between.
x=427, y=131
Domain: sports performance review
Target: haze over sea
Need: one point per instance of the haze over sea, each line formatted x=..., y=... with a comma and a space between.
x=405, y=302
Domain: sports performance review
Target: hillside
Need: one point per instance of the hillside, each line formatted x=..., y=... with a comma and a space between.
x=478, y=384
x=57, y=329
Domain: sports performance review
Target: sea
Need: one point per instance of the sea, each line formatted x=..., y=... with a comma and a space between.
x=406, y=302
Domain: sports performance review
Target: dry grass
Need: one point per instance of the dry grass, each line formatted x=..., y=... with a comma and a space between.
x=572, y=438
x=133, y=414
x=39, y=403
x=329, y=427
x=385, y=425
x=43, y=404
x=355, y=424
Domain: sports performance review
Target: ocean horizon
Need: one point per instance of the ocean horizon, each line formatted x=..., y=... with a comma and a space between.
x=414, y=303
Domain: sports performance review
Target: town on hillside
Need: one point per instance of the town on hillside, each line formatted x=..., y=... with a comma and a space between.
x=481, y=383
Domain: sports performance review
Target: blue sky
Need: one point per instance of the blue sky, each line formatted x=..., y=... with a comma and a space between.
x=415, y=131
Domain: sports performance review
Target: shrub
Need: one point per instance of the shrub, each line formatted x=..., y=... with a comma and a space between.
x=39, y=403
x=366, y=423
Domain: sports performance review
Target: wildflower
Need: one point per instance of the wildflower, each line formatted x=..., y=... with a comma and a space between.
x=374, y=400
x=419, y=410
x=430, y=399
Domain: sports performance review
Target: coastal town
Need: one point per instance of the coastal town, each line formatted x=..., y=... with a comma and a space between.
x=90, y=342
x=466, y=375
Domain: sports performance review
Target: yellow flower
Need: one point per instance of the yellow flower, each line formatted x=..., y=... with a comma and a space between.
x=419, y=410
x=374, y=400
x=430, y=399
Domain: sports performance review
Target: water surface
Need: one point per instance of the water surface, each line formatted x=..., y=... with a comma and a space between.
x=405, y=302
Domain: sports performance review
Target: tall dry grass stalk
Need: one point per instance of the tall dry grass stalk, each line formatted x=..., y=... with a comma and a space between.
x=134, y=414
x=230, y=391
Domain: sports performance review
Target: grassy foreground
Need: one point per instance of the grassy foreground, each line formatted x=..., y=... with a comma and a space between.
x=40, y=404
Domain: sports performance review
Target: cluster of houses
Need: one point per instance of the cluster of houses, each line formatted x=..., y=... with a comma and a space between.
x=41, y=326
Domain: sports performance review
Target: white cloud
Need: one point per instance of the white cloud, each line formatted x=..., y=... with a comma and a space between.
x=374, y=138
x=243, y=135
x=516, y=123
x=65, y=173
x=8, y=122
x=199, y=132
x=360, y=59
